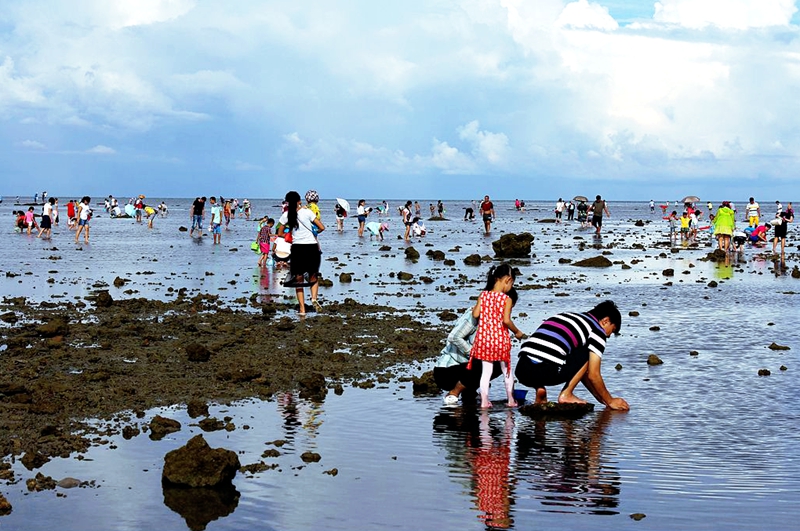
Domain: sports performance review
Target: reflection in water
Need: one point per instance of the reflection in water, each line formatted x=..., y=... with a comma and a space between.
x=564, y=462
x=481, y=451
x=199, y=506
x=297, y=412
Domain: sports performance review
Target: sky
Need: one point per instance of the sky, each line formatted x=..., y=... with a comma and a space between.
x=419, y=99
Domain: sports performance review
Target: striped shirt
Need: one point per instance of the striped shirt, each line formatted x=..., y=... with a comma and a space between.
x=562, y=334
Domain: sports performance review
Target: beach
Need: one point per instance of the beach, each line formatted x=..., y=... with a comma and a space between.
x=97, y=340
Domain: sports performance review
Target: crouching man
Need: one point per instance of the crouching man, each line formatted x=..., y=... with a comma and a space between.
x=567, y=349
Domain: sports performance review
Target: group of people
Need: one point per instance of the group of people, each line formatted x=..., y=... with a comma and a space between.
x=566, y=349
x=78, y=215
x=732, y=239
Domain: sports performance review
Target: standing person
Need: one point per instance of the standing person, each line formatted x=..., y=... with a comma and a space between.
x=778, y=209
x=417, y=209
x=340, y=213
x=30, y=220
x=45, y=226
x=407, y=220
x=139, y=206
x=487, y=213
x=652, y=206
x=55, y=212
x=216, y=220
x=264, y=240
x=492, y=342
x=312, y=202
x=361, y=215
x=781, y=229
x=583, y=214
x=306, y=255
x=724, y=225
x=570, y=210
x=226, y=211
x=440, y=208
x=598, y=207
x=450, y=371
x=753, y=212
x=84, y=215
x=432, y=209
x=246, y=208
x=559, y=209
x=72, y=212
x=567, y=349
x=198, y=215
x=674, y=223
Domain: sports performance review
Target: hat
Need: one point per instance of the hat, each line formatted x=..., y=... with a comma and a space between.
x=141, y=196
x=312, y=196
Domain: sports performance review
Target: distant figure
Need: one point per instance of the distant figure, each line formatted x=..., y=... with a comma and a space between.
x=559, y=210
x=652, y=206
x=570, y=211
x=469, y=214
x=36, y=198
x=753, y=212
x=598, y=207
x=440, y=208
x=487, y=214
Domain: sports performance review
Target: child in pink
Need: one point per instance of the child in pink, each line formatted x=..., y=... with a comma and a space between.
x=492, y=342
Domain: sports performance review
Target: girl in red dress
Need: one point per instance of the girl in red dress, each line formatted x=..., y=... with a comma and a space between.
x=492, y=342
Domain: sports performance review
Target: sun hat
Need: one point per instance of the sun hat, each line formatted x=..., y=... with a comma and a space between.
x=312, y=196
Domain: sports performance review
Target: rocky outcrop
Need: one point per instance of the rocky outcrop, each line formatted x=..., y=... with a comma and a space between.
x=513, y=245
x=198, y=465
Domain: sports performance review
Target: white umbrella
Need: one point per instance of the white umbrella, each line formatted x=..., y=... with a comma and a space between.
x=343, y=203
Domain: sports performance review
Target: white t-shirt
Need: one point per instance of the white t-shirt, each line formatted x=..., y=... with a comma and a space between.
x=84, y=211
x=47, y=210
x=302, y=234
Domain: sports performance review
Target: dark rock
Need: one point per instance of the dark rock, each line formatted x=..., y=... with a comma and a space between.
x=436, y=255
x=211, y=424
x=310, y=457
x=345, y=278
x=652, y=359
x=313, y=387
x=638, y=516
x=412, y=254
x=5, y=506
x=764, y=372
x=198, y=465
x=784, y=368
x=161, y=426
x=473, y=260
x=713, y=284
x=449, y=263
x=655, y=328
x=197, y=408
x=33, y=460
x=197, y=352
x=668, y=272
x=119, y=282
x=513, y=245
x=183, y=229
x=402, y=275
x=775, y=346
x=332, y=472
x=555, y=411
x=40, y=483
x=285, y=324
x=68, y=483
x=633, y=313
x=56, y=327
x=694, y=353
x=9, y=317
x=618, y=366
x=104, y=299
x=639, y=223
x=448, y=316
x=796, y=272
x=129, y=432
x=597, y=261
x=202, y=505
x=428, y=280
x=384, y=248
x=425, y=384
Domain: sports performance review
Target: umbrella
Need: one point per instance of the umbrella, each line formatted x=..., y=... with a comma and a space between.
x=690, y=199
x=580, y=198
x=343, y=203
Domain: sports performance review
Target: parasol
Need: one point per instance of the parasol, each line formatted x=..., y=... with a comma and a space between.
x=690, y=199
x=343, y=203
x=580, y=198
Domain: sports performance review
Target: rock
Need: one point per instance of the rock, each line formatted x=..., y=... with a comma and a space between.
x=634, y=313
x=556, y=411
x=655, y=328
x=197, y=352
x=668, y=272
x=33, y=460
x=384, y=248
x=68, y=483
x=597, y=261
x=5, y=506
x=40, y=483
x=618, y=366
x=161, y=426
x=129, y=432
x=513, y=245
x=402, y=275
x=345, y=278
x=775, y=346
x=197, y=408
x=638, y=516
x=449, y=263
x=119, y=282
x=694, y=353
x=796, y=272
x=104, y=299
x=764, y=372
x=56, y=327
x=639, y=223
x=412, y=254
x=211, y=424
x=436, y=255
x=9, y=317
x=428, y=280
x=310, y=457
x=182, y=229
x=313, y=387
x=652, y=359
x=784, y=368
x=332, y=472
x=448, y=316
x=473, y=260
x=198, y=465
x=425, y=384
x=713, y=284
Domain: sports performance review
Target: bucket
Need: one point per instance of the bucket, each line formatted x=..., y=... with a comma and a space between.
x=520, y=394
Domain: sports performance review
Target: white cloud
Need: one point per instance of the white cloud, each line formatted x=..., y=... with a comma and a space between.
x=30, y=144
x=101, y=150
x=733, y=14
x=492, y=147
x=582, y=14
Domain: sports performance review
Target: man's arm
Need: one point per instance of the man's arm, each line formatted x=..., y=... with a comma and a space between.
x=595, y=384
x=605, y=207
x=458, y=336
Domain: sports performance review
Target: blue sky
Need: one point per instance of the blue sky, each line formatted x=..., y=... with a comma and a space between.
x=414, y=99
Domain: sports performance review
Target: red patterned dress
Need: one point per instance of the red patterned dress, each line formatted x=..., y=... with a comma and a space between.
x=492, y=342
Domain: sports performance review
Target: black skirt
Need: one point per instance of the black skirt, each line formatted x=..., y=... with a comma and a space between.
x=45, y=223
x=306, y=259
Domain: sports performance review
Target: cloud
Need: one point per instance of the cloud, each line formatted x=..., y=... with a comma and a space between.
x=101, y=150
x=582, y=14
x=731, y=14
x=491, y=147
x=30, y=144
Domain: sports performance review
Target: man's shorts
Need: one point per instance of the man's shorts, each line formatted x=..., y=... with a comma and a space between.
x=597, y=221
x=197, y=222
x=216, y=228
x=487, y=217
x=545, y=373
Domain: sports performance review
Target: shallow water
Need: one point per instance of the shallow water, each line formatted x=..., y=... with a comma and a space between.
x=708, y=444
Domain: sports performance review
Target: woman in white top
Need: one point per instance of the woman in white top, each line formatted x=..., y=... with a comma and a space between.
x=306, y=254
x=47, y=219
x=84, y=213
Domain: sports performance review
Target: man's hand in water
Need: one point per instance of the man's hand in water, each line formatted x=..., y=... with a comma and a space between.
x=618, y=404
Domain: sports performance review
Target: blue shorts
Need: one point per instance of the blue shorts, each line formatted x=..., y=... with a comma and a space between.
x=216, y=228
x=83, y=222
x=197, y=222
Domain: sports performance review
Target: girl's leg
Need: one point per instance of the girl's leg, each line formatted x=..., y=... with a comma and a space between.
x=486, y=377
x=509, y=381
x=301, y=298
